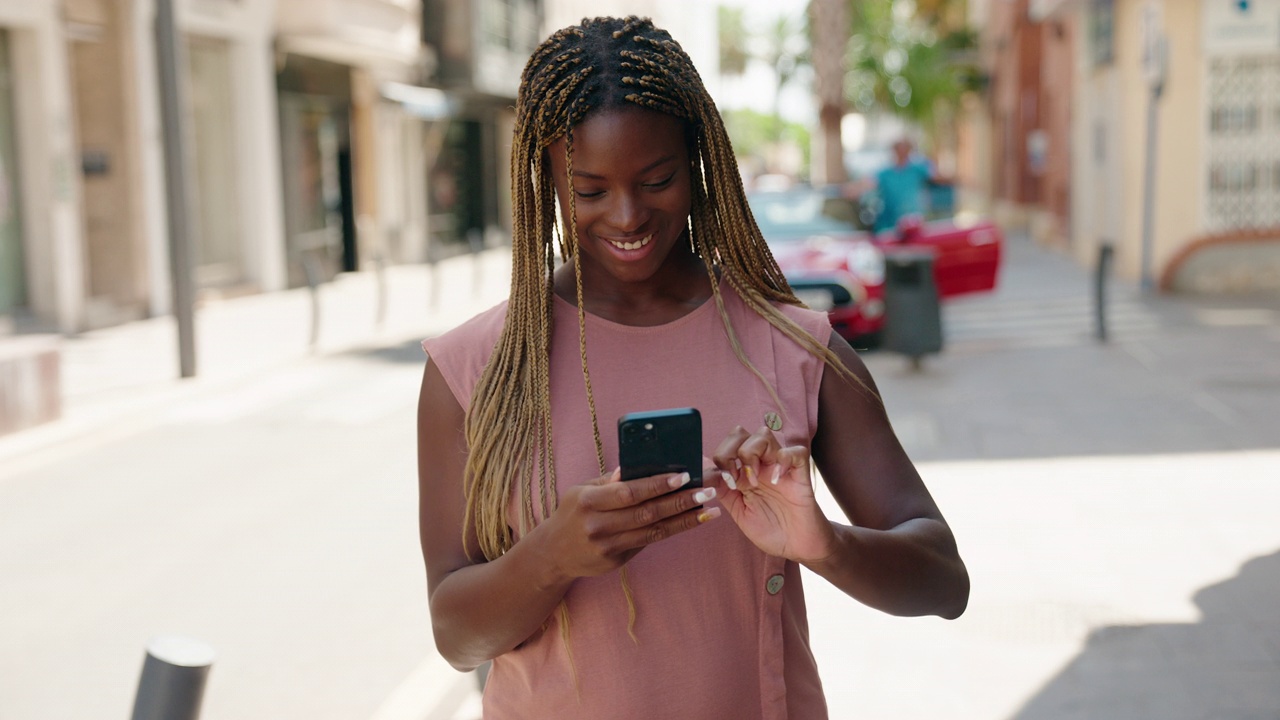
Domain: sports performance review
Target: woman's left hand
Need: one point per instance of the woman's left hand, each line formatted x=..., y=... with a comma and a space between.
x=768, y=491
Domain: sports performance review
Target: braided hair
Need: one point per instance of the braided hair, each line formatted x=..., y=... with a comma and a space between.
x=600, y=64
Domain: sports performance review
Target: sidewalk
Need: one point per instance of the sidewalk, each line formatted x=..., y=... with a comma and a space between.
x=265, y=507
x=1115, y=504
x=112, y=378
x=1022, y=374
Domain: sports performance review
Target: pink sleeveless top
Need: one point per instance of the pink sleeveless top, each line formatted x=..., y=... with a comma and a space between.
x=721, y=626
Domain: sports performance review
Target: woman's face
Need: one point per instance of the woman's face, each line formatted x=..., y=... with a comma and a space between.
x=631, y=184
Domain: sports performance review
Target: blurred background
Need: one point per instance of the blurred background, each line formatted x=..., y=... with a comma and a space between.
x=225, y=225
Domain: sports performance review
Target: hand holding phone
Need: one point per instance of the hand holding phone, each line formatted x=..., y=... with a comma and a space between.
x=661, y=441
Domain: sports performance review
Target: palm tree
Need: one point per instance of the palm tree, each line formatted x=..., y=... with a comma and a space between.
x=732, y=30
x=903, y=66
x=786, y=50
x=829, y=22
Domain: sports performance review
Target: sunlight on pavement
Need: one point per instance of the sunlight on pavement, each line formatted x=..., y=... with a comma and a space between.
x=1066, y=554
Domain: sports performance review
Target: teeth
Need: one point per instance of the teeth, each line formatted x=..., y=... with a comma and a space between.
x=632, y=245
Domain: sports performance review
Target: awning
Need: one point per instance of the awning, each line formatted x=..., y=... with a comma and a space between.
x=421, y=102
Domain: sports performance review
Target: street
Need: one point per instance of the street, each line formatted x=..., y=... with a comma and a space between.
x=276, y=522
x=1116, y=505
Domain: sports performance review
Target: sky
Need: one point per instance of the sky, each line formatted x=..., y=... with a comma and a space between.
x=755, y=88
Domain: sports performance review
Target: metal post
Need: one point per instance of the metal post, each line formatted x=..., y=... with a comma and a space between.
x=1105, y=252
x=311, y=268
x=380, y=275
x=173, y=679
x=171, y=59
x=1149, y=175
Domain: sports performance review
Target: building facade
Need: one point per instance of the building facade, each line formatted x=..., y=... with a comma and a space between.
x=1214, y=172
x=42, y=257
x=296, y=148
x=321, y=135
x=1016, y=140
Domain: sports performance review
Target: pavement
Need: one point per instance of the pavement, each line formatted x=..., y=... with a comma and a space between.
x=266, y=507
x=121, y=374
x=1115, y=503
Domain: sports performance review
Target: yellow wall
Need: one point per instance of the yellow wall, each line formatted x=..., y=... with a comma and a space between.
x=1113, y=100
x=1180, y=175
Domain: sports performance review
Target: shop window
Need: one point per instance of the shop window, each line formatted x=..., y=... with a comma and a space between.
x=511, y=24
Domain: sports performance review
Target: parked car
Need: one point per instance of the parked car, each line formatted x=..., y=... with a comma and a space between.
x=833, y=266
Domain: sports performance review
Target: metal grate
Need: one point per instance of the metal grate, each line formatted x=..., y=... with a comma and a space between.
x=1243, y=158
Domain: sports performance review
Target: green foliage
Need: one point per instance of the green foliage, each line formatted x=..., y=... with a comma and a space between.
x=732, y=29
x=783, y=44
x=786, y=47
x=752, y=132
x=900, y=65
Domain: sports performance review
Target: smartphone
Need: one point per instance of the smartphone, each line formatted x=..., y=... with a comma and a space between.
x=661, y=441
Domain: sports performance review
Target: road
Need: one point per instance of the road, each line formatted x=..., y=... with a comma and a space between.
x=274, y=520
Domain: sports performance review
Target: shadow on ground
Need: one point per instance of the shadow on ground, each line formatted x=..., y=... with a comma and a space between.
x=1225, y=667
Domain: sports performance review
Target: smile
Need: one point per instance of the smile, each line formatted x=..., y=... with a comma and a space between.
x=632, y=245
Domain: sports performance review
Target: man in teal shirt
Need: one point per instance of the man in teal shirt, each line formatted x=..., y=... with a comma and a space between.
x=903, y=186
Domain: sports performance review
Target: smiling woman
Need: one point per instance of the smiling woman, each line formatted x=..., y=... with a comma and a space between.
x=631, y=201
x=597, y=597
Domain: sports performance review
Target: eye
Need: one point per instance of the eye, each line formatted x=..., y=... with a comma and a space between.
x=587, y=195
x=661, y=183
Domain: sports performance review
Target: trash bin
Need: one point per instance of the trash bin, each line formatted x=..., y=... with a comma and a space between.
x=912, y=316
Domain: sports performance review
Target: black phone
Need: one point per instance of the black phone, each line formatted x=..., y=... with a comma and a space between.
x=661, y=441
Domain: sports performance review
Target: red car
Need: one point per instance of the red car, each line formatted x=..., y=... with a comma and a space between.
x=833, y=267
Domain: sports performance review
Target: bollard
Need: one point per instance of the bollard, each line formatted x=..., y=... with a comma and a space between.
x=1105, y=253
x=173, y=679
x=380, y=273
x=311, y=268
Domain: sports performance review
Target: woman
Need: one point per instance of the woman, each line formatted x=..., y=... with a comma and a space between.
x=598, y=598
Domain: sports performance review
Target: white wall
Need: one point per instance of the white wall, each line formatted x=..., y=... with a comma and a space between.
x=48, y=163
x=248, y=27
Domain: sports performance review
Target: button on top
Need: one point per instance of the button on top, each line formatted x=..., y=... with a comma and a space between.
x=774, y=585
x=773, y=422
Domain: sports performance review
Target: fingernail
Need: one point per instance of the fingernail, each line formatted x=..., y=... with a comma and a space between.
x=751, y=474
x=708, y=514
x=704, y=495
x=728, y=480
x=777, y=473
x=678, y=481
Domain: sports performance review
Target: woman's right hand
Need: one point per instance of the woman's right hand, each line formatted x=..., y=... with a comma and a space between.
x=601, y=525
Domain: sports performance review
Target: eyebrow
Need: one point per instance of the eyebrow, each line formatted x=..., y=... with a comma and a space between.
x=643, y=170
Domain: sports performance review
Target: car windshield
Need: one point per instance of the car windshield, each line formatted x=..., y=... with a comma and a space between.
x=789, y=216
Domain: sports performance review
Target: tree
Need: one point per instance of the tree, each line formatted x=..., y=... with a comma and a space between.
x=829, y=22
x=900, y=64
x=785, y=47
x=732, y=30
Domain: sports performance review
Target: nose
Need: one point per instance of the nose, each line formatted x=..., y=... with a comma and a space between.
x=627, y=214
